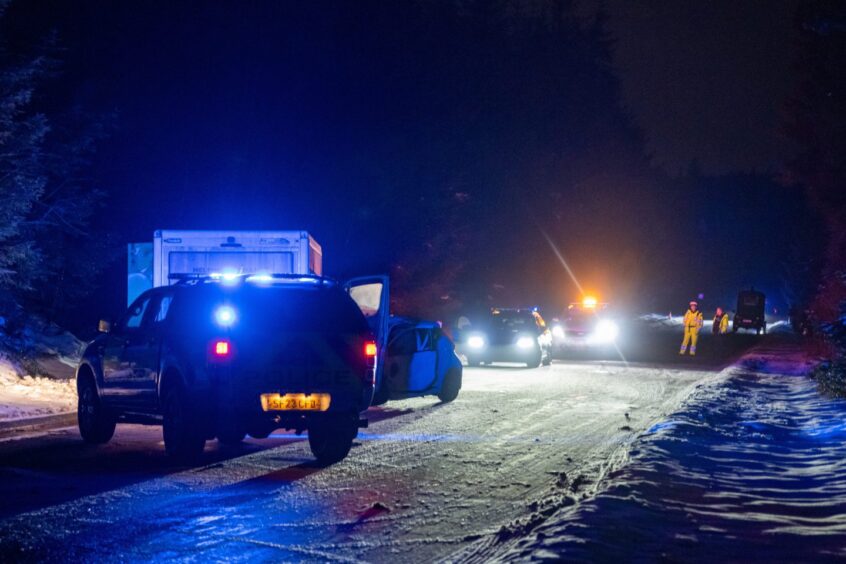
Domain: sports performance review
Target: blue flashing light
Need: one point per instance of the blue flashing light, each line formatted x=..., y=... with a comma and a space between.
x=225, y=316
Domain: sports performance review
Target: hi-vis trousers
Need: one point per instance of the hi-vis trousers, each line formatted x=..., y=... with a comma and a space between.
x=691, y=335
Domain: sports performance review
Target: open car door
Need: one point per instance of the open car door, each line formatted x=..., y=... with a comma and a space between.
x=411, y=366
x=372, y=295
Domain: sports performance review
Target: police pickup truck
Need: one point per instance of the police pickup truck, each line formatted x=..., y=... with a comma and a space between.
x=228, y=356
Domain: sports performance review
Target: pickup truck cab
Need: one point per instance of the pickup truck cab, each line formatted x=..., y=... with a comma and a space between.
x=211, y=357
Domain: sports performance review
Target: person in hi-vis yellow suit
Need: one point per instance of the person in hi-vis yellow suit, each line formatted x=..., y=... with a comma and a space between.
x=692, y=324
x=721, y=322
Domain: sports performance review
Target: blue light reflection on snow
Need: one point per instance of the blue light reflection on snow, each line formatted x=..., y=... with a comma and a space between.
x=451, y=438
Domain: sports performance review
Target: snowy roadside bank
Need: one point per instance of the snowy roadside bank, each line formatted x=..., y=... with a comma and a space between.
x=36, y=372
x=23, y=396
x=752, y=467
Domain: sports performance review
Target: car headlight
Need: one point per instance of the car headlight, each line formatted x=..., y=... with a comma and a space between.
x=607, y=331
x=525, y=342
x=475, y=342
x=558, y=332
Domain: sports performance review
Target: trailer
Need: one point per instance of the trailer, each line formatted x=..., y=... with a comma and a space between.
x=175, y=254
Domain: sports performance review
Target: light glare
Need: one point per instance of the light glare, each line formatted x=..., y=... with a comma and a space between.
x=476, y=342
x=224, y=316
x=525, y=342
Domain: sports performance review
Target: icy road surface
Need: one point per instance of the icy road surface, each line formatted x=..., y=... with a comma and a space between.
x=425, y=481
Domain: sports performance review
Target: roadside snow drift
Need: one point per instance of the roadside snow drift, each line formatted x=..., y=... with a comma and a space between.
x=23, y=396
x=37, y=365
x=753, y=468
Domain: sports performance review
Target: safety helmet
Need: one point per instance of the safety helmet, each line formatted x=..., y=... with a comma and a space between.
x=694, y=303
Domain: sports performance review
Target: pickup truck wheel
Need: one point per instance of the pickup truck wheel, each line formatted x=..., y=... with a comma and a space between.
x=380, y=396
x=183, y=438
x=260, y=432
x=231, y=437
x=547, y=360
x=96, y=424
x=451, y=386
x=331, y=438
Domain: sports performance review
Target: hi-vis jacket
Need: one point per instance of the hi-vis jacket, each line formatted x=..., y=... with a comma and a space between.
x=692, y=319
x=721, y=324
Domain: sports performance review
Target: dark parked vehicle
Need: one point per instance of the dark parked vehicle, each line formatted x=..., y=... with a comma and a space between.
x=749, y=314
x=223, y=358
x=510, y=335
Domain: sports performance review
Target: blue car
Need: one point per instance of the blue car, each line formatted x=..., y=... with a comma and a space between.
x=415, y=357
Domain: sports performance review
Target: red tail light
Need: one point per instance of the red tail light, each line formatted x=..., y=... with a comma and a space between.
x=370, y=349
x=221, y=348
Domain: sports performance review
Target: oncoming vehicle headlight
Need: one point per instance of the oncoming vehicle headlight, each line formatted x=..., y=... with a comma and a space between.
x=476, y=342
x=525, y=342
x=558, y=332
x=607, y=331
x=224, y=316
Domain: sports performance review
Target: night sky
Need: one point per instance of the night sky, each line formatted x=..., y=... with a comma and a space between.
x=422, y=135
x=707, y=81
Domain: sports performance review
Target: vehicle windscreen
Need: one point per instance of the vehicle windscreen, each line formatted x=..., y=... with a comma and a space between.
x=581, y=314
x=750, y=302
x=299, y=309
x=511, y=321
x=279, y=308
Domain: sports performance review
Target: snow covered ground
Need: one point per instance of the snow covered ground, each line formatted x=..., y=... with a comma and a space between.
x=753, y=467
x=582, y=460
x=23, y=396
x=36, y=372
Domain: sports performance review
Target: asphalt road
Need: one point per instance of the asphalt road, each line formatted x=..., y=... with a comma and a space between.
x=426, y=481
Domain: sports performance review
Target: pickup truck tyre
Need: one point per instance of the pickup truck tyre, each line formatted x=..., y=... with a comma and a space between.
x=96, y=424
x=260, y=432
x=183, y=438
x=451, y=386
x=380, y=396
x=535, y=362
x=547, y=360
x=231, y=437
x=331, y=438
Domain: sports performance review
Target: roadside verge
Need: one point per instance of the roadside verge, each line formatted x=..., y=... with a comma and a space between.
x=753, y=466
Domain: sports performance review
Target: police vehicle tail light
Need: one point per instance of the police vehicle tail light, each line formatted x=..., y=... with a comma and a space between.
x=222, y=349
x=370, y=350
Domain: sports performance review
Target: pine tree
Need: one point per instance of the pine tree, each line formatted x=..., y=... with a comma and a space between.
x=46, y=198
x=816, y=122
x=22, y=175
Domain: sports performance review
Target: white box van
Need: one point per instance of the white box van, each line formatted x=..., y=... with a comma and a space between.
x=174, y=254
